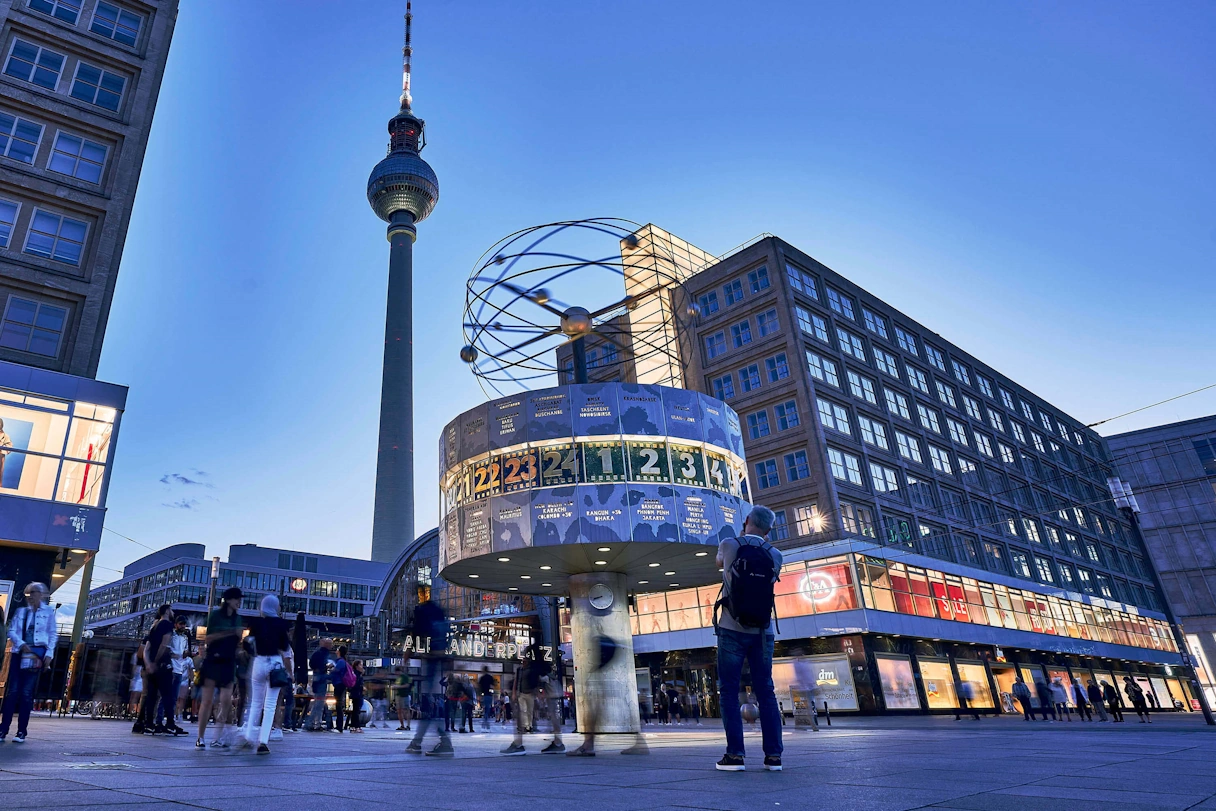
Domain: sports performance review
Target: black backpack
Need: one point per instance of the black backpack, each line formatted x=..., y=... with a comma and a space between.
x=748, y=590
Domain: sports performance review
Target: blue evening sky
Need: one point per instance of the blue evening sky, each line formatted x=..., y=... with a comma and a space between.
x=1032, y=180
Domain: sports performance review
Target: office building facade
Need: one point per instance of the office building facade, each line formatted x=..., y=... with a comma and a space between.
x=331, y=591
x=947, y=523
x=1172, y=471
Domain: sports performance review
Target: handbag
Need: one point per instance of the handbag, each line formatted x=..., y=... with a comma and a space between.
x=279, y=677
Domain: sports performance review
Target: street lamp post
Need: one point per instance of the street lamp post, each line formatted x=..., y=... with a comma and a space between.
x=215, y=576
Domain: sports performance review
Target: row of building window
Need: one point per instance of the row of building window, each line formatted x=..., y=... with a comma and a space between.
x=246, y=580
x=43, y=67
x=31, y=326
x=50, y=235
x=109, y=19
x=72, y=155
x=776, y=368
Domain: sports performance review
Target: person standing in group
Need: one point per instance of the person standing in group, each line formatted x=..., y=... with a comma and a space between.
x=342, y=678
x=158, y=669
x=270, y=636
x=33, y=635
x=966, y=699
x=224, y=626
x=750, y=567
x=1095, y=697
x=1022, y=693
x=526, y=692
x=485, y=687
x=136, y=690
x=468, y=703
x=179, y=644
x=1047, y=701
x=1081, y=699
x=1114, y=704
x=318, y=663
x=404, y=699
x=430, y=627
x=1059, y=699
x=1135, y=694
x=356, y=697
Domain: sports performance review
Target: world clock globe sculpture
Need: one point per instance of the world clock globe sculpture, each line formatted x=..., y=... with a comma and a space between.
x=402, y=190
x=594, y=491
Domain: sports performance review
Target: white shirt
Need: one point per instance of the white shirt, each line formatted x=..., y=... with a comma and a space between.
x=177, y=646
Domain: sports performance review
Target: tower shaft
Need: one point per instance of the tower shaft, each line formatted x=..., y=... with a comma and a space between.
x=393, y=517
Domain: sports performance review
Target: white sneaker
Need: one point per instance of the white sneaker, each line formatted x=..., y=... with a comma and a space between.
x=276, y=734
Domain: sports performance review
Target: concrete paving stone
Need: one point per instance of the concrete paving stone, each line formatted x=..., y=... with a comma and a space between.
x=1143, y=799
x=80, y=797
x=1008, y=802
x=1139, y=779
x=214, y=790
x=298, y=802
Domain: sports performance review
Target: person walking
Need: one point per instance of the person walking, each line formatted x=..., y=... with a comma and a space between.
x=32, y=632
x=318, y=664
x=1047, y=701
x=224, y=626
x=1095, y=697
x=158, y=670
x=1081, y=699
x=430, y=626
x=1059, y=699
x=606, y=649
x=1022, y=693
x=526, y=692
x=356, y=698
x=178, y=645
x=403, y=698
x=1114, y=704
x=342, y=683
x=270, y=636
x=468, y=702
x=750, y=566
x=1135, y=694
x=485, y=688
x=966, y=695
x=136, y=690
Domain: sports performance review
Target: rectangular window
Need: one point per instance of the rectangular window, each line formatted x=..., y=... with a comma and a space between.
x=973, y=408
x=985, y=385
x=796, y=466
x=960, y=373
x=922, y=493
x=862, y=387
x=56, y=237
x=1006, y=453
x=96, y=86
x=909, y=447
x=1032, y=531
x=936, y=359
x=971, y=473
x=757, y=279
x=749, y=377
x=19, y=138
x=946, y=394
x=807, y=519
x=897, y=404
x=874, y=323
x=724, y=386
x=841, y=304
x=906, y=341
x=715, y=345
x=928, y=418
x=8, y=216
x=811, y=324
x=766, y=474
x=1063, y=429
x=917, y=378
x=781, y=527
x=801, y=281
x=757, y=424
x=732, y=292
x=954, y=504
x=1086, y=580
x=766, y=322
x=31, y=326
x=33, y=63
x=1007, y=399
x=940, y=459
x=66, y=10
x=851, y=344
x=983, y=443
x=1020, y=563
x=778, y=368
x=1038, y=442
x=741, y=334
x=1027, y=411
x=994, y=417
x=845, y=466
x=822, y=369
x=834, y=417
x=709, y=303
x=957, y=431
x=116, y=23
x=884, y=479
x=873, y=433
x=885, y=362
x=1018, y=432
x=787, y=415
x=78, y=157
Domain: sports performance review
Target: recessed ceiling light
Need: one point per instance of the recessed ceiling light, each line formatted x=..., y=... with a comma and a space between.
x=512, y=588
x=546, y=584
x=654, y=565
x=503, y=560
x=57, y=574
x=601, y=563
x=474, y=575
x=675, y=584
x=525, y=577
x=668, y=574
x=604, y=549
x=640, y=582
x=702, y=554
x=545, y=568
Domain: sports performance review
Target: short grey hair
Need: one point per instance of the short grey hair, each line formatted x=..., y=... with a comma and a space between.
x=762, y=518
x=36, y=586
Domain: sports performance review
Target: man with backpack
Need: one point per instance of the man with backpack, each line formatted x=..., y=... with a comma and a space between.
x=750, y=567
x=431, y=628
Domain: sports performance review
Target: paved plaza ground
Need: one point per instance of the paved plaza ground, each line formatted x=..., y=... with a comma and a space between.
x=871, y=763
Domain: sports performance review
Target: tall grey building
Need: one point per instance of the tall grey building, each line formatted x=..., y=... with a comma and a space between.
x=79, y=80
x=1172, y=471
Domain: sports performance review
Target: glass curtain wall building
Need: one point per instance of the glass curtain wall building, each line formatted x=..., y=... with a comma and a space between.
x=863, y=426
x=331, y=591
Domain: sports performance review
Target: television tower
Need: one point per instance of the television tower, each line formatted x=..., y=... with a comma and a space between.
x=402, y=190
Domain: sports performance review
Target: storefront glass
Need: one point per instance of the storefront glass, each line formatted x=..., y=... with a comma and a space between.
x=977, y=675
x=939, y=684
x=1032, y=674
x=53, y=448
x=1179, y=693
x=898, y=684
x=1161, y=693
x=1004, y=676
x=1202, y=669
x=830, y=674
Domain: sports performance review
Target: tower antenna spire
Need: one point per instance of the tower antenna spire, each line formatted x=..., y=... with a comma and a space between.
x=406, y=55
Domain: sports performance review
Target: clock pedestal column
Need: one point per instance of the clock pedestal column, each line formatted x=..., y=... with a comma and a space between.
x=599, y=607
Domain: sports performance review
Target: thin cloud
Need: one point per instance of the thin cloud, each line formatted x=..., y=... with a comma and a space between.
x=182, y=504
x=177, y=478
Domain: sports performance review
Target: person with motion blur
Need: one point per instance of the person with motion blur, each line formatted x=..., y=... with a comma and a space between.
x=966, y=699
x=33, y=635
x=430, y=625
x=468, y=703
x=158, y=670
x=605, y=651
x=1022, y=693
x=1135, y=694
x=532, y=670
x=318, y=663
x=224, y=627
x=179, y=644
x=1081, y=699
x=342, y=683
x=1046, y=700
x=404, y=699
x=270, y=636
x=1059, y=699
x=485, y=687
x=1095, y=698
x=1114, y=705
x=750, y=567
x=137, y=684
x=356, y=698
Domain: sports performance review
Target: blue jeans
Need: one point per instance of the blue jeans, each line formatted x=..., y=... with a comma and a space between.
x=19, y=695
x=733, y=648
x=487, y=709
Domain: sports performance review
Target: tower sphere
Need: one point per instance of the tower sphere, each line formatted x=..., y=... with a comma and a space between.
x=403, y=181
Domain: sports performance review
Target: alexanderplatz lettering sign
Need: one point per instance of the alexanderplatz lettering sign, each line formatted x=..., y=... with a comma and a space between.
x=470, y=647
